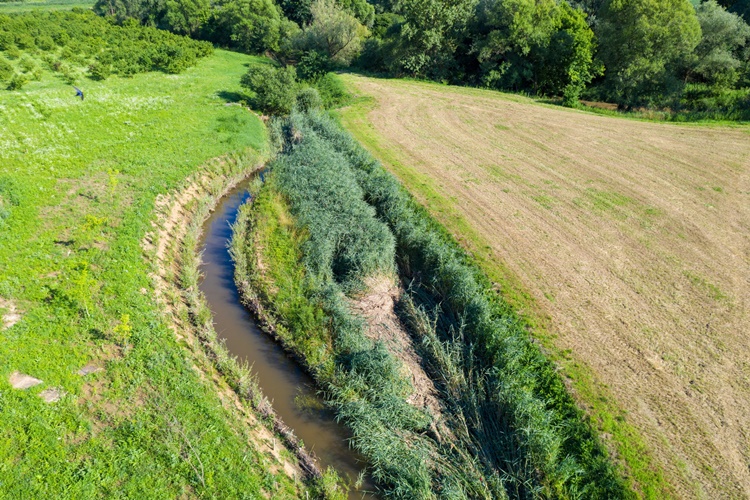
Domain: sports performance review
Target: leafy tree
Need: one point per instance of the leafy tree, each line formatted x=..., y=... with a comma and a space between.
x=718, y=56
x=543, y=45
x=185, y=17
x=333, y=32
x=250, y=25
x=147, y=12
x=429, y=35
x=739, y=7
x=363, y=11
x=642, y=43
x=297, y=10
x=509, y=35
x=275, y=89
x=568, y=63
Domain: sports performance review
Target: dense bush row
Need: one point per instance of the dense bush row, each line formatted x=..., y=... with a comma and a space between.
x=278, y=90
x=515, y=430
x=70, y=43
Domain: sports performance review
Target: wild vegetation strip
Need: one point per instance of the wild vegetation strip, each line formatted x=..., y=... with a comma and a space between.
x=626, y=245
x=78, y=183
x=330, y=218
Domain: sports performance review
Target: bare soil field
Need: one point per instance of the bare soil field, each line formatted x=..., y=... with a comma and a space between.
x=632, y=237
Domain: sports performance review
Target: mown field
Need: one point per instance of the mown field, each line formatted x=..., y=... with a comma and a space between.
x=624, y=243
x=78, y=184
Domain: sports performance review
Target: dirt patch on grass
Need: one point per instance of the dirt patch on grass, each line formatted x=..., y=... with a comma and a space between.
x=10, y=313
x=21, y=381
x=633, y=237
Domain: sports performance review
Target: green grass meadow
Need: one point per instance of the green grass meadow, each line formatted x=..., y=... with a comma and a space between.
x=78, y=181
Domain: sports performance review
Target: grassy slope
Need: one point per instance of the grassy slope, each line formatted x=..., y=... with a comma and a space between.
x=451, y=210
x=82, y=178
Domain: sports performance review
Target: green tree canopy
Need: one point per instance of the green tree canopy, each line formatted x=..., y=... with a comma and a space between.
x=430, y=34
x=333, y=32
x=642, y=44
x=721, y=51
x=542, y=44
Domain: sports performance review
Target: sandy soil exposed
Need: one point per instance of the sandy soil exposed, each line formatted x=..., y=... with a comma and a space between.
x=377, y=307
x=634, y=237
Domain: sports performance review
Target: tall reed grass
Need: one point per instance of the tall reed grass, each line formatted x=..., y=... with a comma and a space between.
x=514, y=429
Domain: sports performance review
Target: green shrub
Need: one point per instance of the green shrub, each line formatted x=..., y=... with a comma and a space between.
x=6, y=39
x=332, y=91
x=6, y=69
x=275, y=89
x=312, y=65
x=309, y=99
x=45, y=42
x=12, y=51
x=100, y=71
x=25, y=41
x=27, y=64
x=70, y=76
x=17, y=82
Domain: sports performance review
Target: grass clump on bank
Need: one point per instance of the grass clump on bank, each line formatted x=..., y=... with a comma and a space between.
x=515, y=431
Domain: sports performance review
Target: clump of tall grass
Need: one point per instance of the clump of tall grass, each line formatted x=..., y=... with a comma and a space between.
x=346, y=242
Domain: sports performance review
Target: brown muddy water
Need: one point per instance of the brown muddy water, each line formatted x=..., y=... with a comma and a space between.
x=282, y=381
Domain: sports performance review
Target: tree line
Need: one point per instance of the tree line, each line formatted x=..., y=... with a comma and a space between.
x=688, y=55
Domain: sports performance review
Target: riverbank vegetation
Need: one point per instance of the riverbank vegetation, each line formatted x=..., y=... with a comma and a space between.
x=328, y=217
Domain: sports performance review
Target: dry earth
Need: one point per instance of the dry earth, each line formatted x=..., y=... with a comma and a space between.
x=377, y=306
x=10, y=314
x=634, y=237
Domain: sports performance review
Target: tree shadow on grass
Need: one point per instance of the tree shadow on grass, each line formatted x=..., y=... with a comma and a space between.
x=230, y=96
